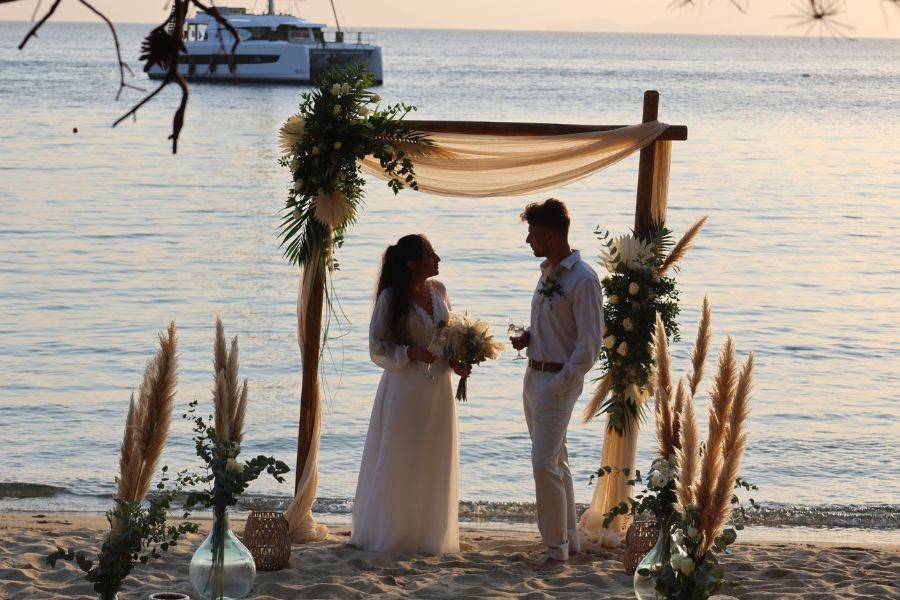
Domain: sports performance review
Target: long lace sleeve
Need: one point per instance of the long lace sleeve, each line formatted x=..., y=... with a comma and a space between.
x=385, y=353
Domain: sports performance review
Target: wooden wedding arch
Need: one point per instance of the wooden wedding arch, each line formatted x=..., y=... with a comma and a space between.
x=652, y=176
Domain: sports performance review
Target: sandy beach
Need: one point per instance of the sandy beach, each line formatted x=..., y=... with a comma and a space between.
x=492, y=564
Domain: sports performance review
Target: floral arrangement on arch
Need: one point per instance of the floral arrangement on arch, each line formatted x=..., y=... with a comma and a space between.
x=338, y=123
x=637, y=289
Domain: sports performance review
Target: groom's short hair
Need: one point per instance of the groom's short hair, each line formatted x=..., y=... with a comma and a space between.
x=550, y=213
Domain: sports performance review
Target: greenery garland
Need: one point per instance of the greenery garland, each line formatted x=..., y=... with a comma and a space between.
x=339, y=123
x=636, y=290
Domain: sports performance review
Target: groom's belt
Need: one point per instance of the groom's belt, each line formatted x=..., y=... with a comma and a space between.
x=546, y=367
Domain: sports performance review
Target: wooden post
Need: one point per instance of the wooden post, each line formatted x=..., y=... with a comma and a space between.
x=643, y=217
x=309, y=387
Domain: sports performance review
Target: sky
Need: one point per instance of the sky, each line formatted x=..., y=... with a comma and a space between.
x=869, y=18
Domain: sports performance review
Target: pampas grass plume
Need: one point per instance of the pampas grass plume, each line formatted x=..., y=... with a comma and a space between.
x=147, y=423
x=683, y=245
x=593, y=407
x=735, y=439
x=701, y=346
x=689, y=452
x=663, y=391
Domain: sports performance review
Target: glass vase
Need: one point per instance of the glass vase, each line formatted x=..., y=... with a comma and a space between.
x=644, y=585
x=231, y=576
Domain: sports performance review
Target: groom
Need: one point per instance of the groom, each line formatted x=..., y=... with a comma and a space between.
x=564, y=341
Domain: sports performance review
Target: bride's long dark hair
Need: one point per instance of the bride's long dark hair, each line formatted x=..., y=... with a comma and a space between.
x=396, y=276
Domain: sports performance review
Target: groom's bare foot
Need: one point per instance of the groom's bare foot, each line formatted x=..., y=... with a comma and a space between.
x=550, y=565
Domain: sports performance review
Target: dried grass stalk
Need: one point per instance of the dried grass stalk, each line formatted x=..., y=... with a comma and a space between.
x=237, y=425
x=680, y=395
x=719, y=509
x=720, y=403
x=701, y=347
x=147, y=423
x=593, y=407
x=689, y=452
x=229, y=396
x=663, y=391
x=684, y=244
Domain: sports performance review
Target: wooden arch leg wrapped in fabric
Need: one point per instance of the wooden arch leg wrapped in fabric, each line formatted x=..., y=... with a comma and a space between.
x=310, y=299
x=619, y=449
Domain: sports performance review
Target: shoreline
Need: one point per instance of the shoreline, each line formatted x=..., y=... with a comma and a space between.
x=751, y=536
x=491, y=563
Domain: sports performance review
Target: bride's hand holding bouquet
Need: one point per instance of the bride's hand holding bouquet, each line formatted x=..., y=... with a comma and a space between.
x=467, y=341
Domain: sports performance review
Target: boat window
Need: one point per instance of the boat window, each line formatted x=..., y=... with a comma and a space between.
x=196, y=32
x=245, y=34
x=317, y=33
x=299, y=33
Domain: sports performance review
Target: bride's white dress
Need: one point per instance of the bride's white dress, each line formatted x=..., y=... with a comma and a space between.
x=407, y=493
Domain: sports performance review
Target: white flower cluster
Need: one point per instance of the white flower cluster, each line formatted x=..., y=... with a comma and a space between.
x=628, y=252
x=662, y=471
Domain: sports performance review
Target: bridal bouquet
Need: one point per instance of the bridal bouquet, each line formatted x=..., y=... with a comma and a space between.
x=467, y=341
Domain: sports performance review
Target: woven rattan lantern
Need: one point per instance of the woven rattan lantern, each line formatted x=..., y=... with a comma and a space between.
x=266, y=536
x=640, y=537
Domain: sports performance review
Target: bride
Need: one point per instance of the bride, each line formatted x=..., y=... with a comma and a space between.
x=407, y=492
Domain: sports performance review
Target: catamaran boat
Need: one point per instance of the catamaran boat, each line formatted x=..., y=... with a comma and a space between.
x=274, y=48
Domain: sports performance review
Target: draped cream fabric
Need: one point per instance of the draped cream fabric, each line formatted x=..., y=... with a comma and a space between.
x=662, y=157
x=618, y=452
x=485, y=165
x=303, y=527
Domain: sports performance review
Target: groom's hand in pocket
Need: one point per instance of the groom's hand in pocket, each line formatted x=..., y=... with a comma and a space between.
x=521, y=342
x=420, y=354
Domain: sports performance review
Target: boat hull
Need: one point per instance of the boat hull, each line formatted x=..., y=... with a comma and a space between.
x=272, y=62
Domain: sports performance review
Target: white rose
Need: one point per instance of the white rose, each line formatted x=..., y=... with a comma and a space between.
x=614, y=299
x=609, y=341
x=627, y=325
x=337, y=109
x=337, y=146
x=345, y=88
x=686, y=565
x=336, y=89
x=233, y=466
x=623, y=349
x=633, y=288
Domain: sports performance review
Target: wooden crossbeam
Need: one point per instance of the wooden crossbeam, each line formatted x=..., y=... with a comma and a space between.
x=672, y=132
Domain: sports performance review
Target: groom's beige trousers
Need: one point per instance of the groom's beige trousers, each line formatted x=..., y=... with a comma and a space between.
x=547, y=415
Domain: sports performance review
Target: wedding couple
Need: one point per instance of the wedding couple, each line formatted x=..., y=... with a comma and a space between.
x=407, y=492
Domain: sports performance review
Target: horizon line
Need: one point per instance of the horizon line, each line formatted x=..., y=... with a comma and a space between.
x=490, y=29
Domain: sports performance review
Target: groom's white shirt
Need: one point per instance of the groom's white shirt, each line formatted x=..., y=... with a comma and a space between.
x=567, y=328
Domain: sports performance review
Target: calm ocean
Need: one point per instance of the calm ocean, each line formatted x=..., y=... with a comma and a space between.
x=105, y=236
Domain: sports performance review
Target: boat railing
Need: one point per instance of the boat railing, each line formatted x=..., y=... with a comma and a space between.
x=348, y=37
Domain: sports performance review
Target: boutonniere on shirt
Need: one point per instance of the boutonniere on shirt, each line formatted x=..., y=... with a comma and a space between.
x=550, y=287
